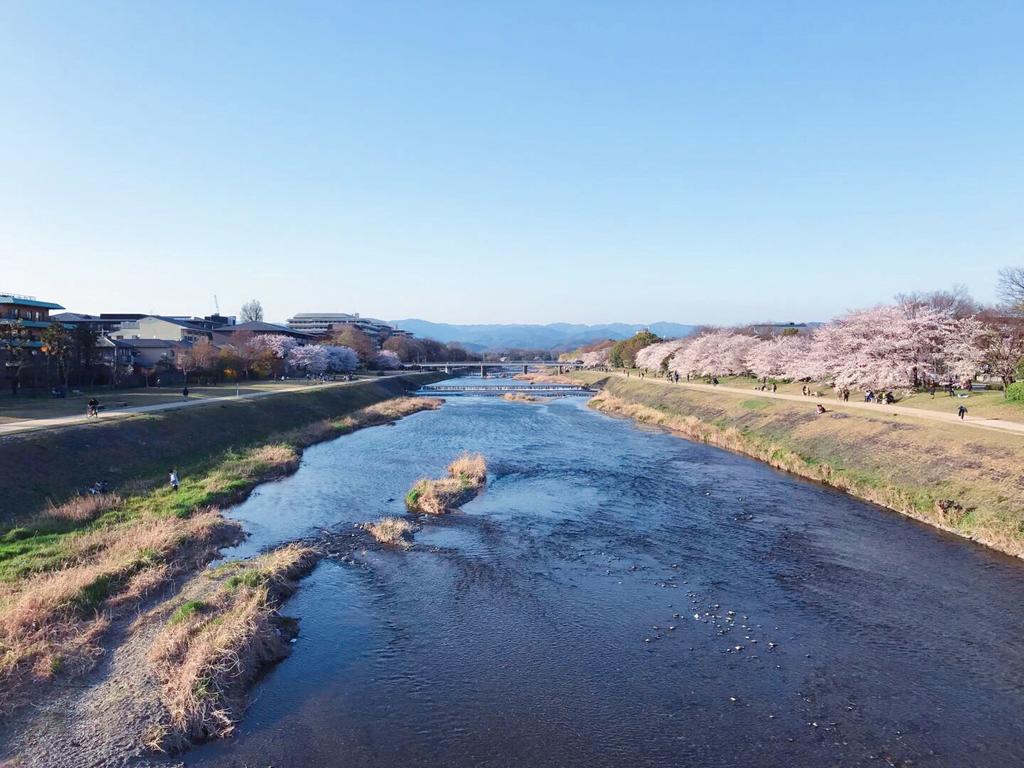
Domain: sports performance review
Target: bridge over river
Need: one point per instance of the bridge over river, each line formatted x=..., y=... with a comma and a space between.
x=538, y=390
x=483, y=366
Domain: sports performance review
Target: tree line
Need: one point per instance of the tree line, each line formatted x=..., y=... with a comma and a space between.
x=921, y=339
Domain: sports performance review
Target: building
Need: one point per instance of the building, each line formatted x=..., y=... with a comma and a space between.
x=165, y=328
x=259, y=328
x=324, y=323
x=116, y=355
x=97, y=323
x=33, y=314
x=148, y=353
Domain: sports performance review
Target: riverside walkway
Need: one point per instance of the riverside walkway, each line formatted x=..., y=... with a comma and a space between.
x=108, y=414
x=999, y=425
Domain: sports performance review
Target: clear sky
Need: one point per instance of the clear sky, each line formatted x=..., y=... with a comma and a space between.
x=509, y=161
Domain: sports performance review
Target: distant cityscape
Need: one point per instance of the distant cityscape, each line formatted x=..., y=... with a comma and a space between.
x=123, y=346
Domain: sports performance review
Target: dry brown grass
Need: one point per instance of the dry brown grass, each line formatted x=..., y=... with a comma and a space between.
x=466, y=477
x=469, y=466
x=225, y=629
x=393, y=531
x=81, y=509
x=53, y=615
x=519, y=397
x=52, y=621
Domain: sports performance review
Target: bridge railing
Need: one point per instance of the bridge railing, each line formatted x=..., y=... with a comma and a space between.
x=498, y=391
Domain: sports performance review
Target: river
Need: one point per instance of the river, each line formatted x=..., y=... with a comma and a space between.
x=622, y=597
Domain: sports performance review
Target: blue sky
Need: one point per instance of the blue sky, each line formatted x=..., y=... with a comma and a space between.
x=509, y=162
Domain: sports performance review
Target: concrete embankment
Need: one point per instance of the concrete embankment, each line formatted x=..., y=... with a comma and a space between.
x=133, y=454
x=969, y=482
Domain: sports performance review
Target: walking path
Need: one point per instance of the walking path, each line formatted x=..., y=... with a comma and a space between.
x=998, y=425
x=30, y=425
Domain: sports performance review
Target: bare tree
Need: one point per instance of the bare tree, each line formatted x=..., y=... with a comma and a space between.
x=251, y=312
x=349, y=336
x=1011, y=288
x=956, y=302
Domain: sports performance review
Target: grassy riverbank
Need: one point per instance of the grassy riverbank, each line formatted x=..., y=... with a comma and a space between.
x=963, y=480
x=135, y=454
x=73, y=575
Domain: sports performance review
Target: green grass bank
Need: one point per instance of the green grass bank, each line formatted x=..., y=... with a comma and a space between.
x=963, y=480
x=73, y=576
x=50, y=466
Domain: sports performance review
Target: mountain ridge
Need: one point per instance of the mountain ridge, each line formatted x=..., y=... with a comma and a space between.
x=494, y=336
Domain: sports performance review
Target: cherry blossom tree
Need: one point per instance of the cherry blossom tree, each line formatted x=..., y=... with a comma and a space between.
x=387, y=360
x=656, y=356
x=717, y=353
x=778, y=356
x=597, y=358
x=278, y=345
x=340, y=359
x=1001, y=344
x=886, y=347
x=964, y=354
x=311, y=360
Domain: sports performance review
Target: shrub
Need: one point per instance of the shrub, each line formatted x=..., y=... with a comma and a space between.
x=1015, y=392
x=466, y=476
x=391, y=530
x=469, y=466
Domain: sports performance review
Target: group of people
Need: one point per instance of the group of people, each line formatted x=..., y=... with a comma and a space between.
x=882, y=398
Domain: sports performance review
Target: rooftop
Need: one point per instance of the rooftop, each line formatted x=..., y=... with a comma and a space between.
x=27, y=301
x=258, y=326
x=150, y=343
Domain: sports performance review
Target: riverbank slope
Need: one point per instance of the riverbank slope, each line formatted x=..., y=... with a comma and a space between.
x=135, y=454
x=87, y=586
x=963, y=480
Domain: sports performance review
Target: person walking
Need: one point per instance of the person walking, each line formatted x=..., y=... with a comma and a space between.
x=92, y=410
x=184, y=392
x=175, y=481
x=962, y=411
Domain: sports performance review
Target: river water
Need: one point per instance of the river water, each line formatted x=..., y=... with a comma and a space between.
x=622, y=597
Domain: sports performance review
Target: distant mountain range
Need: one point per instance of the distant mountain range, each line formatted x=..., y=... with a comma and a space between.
x=560, y=336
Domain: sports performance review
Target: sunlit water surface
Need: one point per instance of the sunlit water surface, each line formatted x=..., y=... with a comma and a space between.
x=622, y=597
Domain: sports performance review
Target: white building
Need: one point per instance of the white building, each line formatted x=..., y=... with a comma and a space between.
x=323, y=323
x=166, y=328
